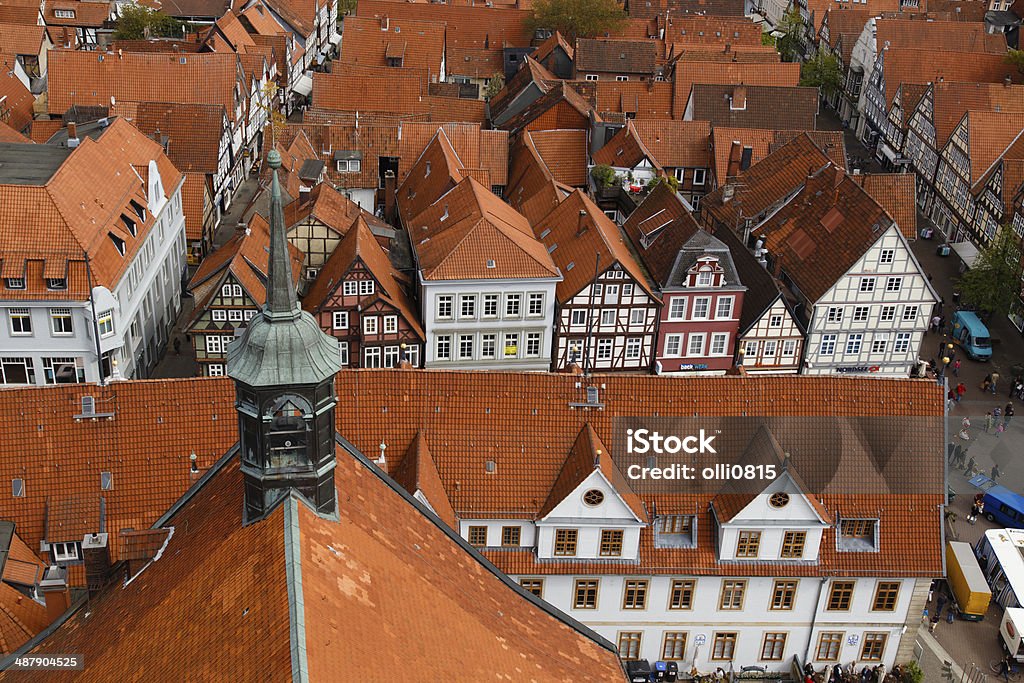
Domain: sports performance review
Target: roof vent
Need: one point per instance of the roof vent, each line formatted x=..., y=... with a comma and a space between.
x=192, y=465
x=490, y=263
x=572, y=264
x=181, y=60
x=490, y=466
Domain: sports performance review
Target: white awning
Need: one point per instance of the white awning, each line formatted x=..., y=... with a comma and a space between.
x=887, y=151
x=334, y=38
x=304, y=85
x=967, y=252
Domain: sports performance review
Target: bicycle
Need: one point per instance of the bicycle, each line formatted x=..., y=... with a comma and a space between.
x=998, y=665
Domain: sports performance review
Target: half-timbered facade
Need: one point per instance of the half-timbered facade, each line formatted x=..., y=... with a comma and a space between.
x=317, y=221
x=358, y=299
x=229, y=289
x=700, y=318
x=607, y=314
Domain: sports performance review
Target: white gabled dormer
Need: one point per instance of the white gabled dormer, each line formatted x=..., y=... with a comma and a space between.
x=782, y=523
x=591, y=512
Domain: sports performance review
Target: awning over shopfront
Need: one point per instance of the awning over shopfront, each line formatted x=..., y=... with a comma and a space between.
x=887, y=152
x=304, y=85
x=967, y=252
x=334, y=38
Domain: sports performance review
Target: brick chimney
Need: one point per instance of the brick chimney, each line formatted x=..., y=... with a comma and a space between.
x=73, y=140
x=96, y=553
x=735, y=154
x=54, y=588
x=738, y=101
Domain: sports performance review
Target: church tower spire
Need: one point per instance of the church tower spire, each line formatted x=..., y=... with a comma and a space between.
x=284, y=367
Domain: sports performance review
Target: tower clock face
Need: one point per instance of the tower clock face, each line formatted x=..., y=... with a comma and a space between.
x=287, y=432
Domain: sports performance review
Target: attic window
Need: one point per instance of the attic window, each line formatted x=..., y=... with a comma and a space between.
x=139, y=210
x=675, y=531
x=106, y=481
x=129, y=224
x=593, y=497
x=118, y=243
x=779, y=500
x=18, y=488
x=56, y=283
x=490, y=263
x=14, y=283
x=64, y=13
x=592, y=395
x=490, y=466
x=858, y=535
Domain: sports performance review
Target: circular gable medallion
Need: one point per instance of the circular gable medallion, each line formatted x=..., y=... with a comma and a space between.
x=779, y=500
x=593, y=497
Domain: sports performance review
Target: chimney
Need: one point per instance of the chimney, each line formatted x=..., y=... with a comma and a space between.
x=738, y=101
x=581, y=225
x=54, y=587
x=72, y=135
x=390, y=190
x=96, y=553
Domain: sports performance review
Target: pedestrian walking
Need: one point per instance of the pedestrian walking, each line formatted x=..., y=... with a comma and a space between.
x=990, y=422
x=1007, y=414
x=956, y=368
x=971, y=467
x=993, y=475
x=940, y=604
x=995, y=380
x=1017, y=387
x=950, y=399
x=177, y=346
x=961, y=389
x=934, y=326
x=986, y=383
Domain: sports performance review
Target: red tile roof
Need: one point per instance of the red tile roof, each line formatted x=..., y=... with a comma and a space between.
x=21, y=618
x=532, y=189
x=193, y=132
x=617, y=56
x=710, y=29
x=93, y=78
x=763, y=106
x=938, y=36
x=21, y=565
x=419, y=44
x=16, y=101
x=728, y=73
x=896, y=193
x=658, y=228
x=89, y=13
x=21, y=39
x=564, y=152
x=25, y=12
x=648, y=100
x=762, y=142
x=417, y=472
x=576, y=233
x=920, y=65
x=456, y=236
x=951, y=100
x=668, y=144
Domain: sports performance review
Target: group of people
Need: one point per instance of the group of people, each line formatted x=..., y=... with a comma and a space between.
x=977, y=508
x=837, y=673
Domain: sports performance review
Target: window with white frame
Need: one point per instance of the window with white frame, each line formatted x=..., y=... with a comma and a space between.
x=701, y=307
x=893, y=284
x=705, y=278
x=391, y=356
x=719, y=341
x=339, y=320
x=512, y=305
x=371, y=357
x=106, y=323
x=910, y=313
x=60, y=321
x=64, y=552
x=219, y=315
x=535, y=305
x=828, y=345
x=390, y=324
x=724, y=308
x=578, y=317
x=488, y=342
x=775, y=321
x=607, y=318
x=888, y=314
x=835, y=314
x=249, y=314
x=867, y=284
x=627, y=289
x=533, y=344
x=622, y=78
x=677, y=308
x=902, y=344
x=467, y=305
x=343, y=352
x=751, y=348
x=633, y=347
x=370, y=324
x=490, y=306
x=591, y=77
x=444, y=306
x=604, y=349
x=21, y=321
x=696, y=345
x=699, y=176
x=887, y=256
x=17, y=371
x=235, y=315
x=770, y=347
x=860, y=313
x=63, y=370
x=215, y=370
x=236, y=291
x=879, y=342
x=350, y=288
x=637, y=316
x=465, y=346
x=673, y=345
x=412, y=355
x=225, y=290
x=443, y=347
x=853, y=342
x=366, y=287
x=511, y=344
x=789, y=348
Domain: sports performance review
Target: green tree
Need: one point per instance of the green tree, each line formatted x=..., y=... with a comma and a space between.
x=603, y=175
x=659, y=179
x=1015, y=58
x=494, y=86
x=993, y=282
x=137, y=23
x=346, y=7
x=768, y=39
x=792, y=27
x=912, y=673
x=822, y=72
x=577, y=18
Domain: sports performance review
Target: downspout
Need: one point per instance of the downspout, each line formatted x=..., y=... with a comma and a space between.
x=590, y=314
x=814, y=620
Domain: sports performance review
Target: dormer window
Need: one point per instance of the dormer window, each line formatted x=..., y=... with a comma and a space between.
x=118, y=243
x=705, y=278
x=675, y=531
x=64, y=13
x=139, y=210
x=129, y=224
x=56, y=283
x=748, y=544
x=858, y=535
x=14, y=283
x=64, y=552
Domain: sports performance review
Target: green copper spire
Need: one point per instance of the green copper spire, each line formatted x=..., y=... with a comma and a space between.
x=281, y=300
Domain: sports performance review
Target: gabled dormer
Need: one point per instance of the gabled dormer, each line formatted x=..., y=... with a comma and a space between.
x=591, y=512
x=418, y=475
x=707, y=271
x=781, y=523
